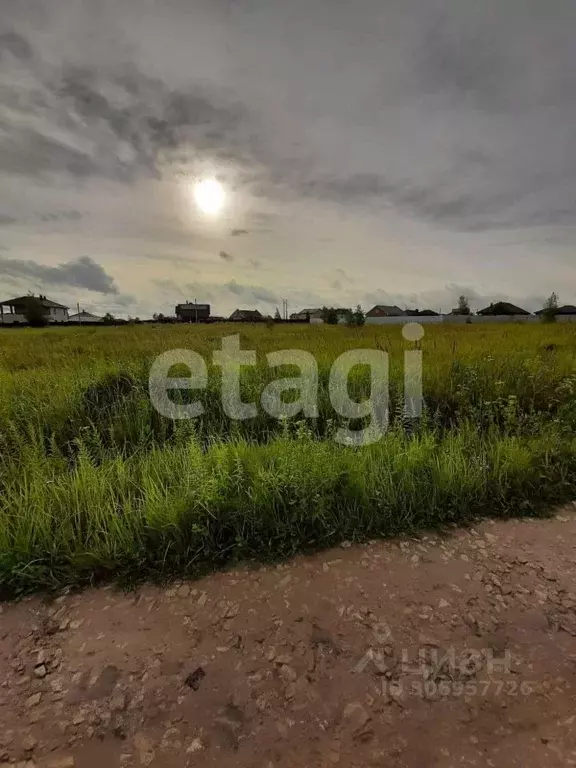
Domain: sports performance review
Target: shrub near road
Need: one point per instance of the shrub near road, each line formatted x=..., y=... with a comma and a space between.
x=95, y=483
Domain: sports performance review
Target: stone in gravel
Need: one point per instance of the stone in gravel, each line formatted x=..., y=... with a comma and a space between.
x=119, y=702
x=183, y=591
x=41, y=658
x=106, y=681
x=194, y=679
x=356, y=715
x=290, y=691
x=443, y=603
x=202, y=599
x=195, y=746
x=40, y=671
x=34, y=700
x=287, y=673
x=29, y=743
x=66, y=761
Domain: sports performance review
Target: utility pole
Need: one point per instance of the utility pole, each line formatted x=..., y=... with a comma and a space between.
x=79, y=315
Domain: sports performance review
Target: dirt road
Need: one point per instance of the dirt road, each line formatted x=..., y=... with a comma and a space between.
x=438, y=651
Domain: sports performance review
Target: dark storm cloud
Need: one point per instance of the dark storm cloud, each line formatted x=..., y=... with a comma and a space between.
x=444, y=204
x=225, y=256
x=113, y=122
x=80, y=273
x=238, y=232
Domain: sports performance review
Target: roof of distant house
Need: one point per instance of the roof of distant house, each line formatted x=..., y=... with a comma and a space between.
x=248, y=313
x=566, y=309
x=84, y=315
x=46, y=303
x=391, y=311
x=191, y=305
x=503, y=308
x=307, y=311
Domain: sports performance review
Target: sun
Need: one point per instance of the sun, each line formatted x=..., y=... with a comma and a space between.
x=209, y=196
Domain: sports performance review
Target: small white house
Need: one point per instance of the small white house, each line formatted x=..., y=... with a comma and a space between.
x=13, y=311
x=316, y=316
x=85, y=317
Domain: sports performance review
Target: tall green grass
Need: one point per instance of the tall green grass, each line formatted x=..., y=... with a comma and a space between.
x=94, y=483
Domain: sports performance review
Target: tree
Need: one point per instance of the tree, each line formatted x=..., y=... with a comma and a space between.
x=463, y=305
x=35, y=313
x=330, y=315
x=277, y=315
x=359, y=316
x=550, y=308
x=108, y=318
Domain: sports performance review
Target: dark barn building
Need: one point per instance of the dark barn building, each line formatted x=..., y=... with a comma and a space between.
x=193, y=313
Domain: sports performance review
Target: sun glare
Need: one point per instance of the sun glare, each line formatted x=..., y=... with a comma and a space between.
x=209, y=196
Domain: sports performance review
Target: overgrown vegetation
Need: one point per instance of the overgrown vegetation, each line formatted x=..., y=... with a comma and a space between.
x=94, y=483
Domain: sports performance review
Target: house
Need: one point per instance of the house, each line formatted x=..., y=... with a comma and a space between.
x=318, y=316
x=421, y=313
x=567, y=309
x=306, y=315
x=502, y=308
x=384, y=314
x=85, y=317
x=381, y=310
x=246, y=316
x=192, y=313
x=13, y=311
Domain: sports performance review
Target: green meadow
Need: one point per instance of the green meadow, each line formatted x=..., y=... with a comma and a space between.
x=95, y=484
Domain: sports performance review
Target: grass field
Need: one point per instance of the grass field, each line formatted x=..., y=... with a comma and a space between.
x=94, y=483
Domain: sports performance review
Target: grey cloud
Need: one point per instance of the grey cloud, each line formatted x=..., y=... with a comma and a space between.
x=13, y=43
x=224, y=295
x=225, y=256
x=251, y=293
x=445, y=204
x=465, y=63
x=107, y=122
x=81, y=273
x=238, y=232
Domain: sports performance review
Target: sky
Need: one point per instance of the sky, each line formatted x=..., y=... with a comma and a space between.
x=376, y=151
